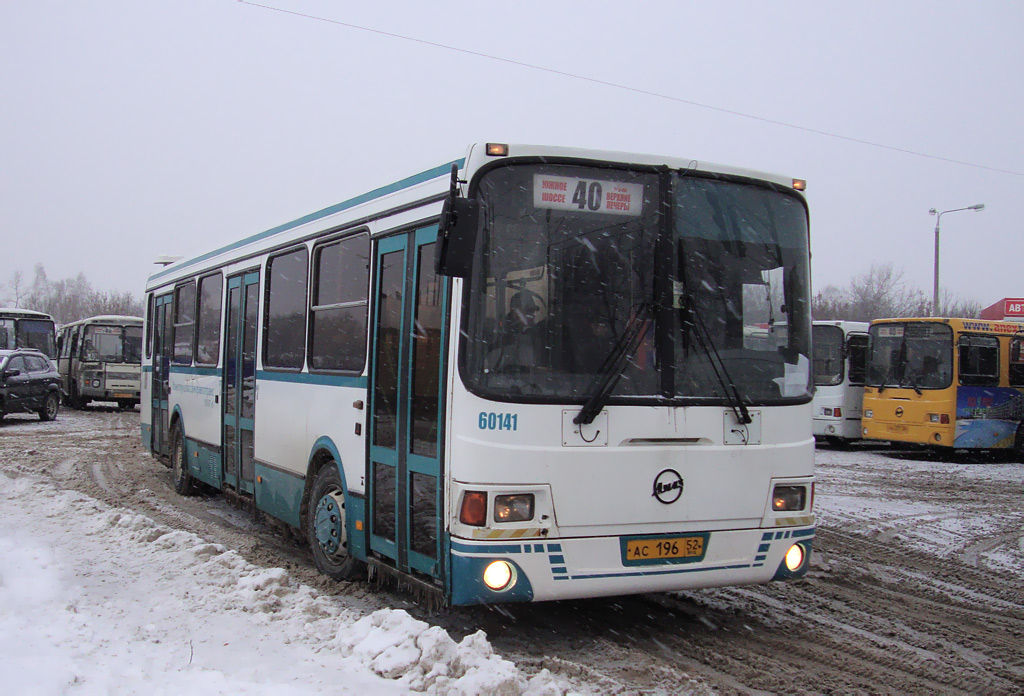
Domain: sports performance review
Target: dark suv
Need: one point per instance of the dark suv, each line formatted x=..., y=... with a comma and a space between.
x=28, y=383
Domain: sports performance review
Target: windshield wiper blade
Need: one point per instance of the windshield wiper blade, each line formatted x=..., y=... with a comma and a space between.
x=732, y=393
x=614, y=365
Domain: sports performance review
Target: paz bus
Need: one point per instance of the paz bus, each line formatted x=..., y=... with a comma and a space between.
x=840, y=359
x=520, y=376
x=99, y=359
x=26, y=328
x=947, y=383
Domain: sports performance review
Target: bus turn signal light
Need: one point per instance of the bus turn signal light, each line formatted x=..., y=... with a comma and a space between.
x=474, y=508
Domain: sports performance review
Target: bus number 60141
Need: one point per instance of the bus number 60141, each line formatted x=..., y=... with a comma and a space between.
x=498, y=421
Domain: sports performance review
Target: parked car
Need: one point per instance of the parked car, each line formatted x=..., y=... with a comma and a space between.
x=29, y=383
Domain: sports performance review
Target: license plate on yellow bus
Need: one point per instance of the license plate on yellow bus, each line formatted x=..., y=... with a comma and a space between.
x=648, y=550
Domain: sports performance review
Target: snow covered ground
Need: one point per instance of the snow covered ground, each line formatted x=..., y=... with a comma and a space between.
x=95, y=600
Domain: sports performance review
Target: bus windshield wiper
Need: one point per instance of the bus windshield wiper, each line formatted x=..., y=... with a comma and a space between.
x=614, y=365
x=732, y=393
x=909, y=375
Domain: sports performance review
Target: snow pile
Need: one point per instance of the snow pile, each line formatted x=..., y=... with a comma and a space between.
x=397, y=646
x=95, y=600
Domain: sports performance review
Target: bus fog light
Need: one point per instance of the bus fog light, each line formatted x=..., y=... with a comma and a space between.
x=513, y=508
x=499, y=575
x=794, y=557
x=831, y=429
x=938, y=437
x=789, y=498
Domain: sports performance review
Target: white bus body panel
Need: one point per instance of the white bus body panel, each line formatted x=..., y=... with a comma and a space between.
x=847, y=397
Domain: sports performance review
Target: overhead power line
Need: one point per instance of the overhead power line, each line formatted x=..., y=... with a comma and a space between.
x=635, y=90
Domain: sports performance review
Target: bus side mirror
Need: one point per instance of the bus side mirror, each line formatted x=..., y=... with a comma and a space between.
x=456, y=233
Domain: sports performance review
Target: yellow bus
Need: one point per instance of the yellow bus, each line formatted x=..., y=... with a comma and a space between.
x=945, y=382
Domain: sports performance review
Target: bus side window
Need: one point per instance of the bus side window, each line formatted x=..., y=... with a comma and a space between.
x=979, y=361
x=1017, y=362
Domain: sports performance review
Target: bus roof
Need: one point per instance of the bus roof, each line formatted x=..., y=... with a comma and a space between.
x=106, y=319
x=16, y=313
x=961, y=324
x=419, y=191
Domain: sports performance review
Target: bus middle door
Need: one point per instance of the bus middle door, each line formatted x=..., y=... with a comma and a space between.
x=240, y=381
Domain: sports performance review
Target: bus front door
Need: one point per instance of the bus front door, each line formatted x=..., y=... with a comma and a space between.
x=406, y=403
x=163, y=347
x=239, y=396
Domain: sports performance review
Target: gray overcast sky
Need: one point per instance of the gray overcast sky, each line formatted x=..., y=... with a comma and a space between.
x=133, y=128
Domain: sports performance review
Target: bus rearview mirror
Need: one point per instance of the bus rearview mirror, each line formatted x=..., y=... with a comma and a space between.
x=456, y=236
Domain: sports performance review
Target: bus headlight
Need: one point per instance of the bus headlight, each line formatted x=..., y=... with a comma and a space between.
x=794, y=557
x=869, y=413
x=513, y=508
x=499, y=575
x=789, y=498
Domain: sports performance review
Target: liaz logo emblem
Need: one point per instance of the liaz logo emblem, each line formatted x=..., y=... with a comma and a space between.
x=899, y=411
x=668, y=486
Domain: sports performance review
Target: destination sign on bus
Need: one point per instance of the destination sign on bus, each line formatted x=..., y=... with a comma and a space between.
x=587, y=195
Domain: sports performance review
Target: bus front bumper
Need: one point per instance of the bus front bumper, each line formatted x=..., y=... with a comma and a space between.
x=573, y=568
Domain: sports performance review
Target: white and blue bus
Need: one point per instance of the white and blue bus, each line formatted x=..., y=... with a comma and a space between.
x=840, y=364
x=523, y=375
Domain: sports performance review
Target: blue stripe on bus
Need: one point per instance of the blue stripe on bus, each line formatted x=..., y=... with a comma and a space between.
x=487, y=549
x=357, y=381
x=677, y=569
x=331, y=210
x=188, y=370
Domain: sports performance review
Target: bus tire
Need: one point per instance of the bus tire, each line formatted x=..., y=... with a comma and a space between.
x=50, y=407
x=325, y=526
x=184, y=484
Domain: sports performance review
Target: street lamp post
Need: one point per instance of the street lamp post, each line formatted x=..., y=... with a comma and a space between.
x=935, y=278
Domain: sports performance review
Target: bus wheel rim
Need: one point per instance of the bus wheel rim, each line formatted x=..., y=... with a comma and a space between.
x=329, y=523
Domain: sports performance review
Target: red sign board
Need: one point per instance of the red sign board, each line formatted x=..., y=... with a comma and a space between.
x=1013, y=307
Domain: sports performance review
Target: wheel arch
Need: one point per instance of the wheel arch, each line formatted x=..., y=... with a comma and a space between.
x=322, y=453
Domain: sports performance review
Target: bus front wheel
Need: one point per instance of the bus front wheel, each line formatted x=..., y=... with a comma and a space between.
x=325, y=526
x=184, y=484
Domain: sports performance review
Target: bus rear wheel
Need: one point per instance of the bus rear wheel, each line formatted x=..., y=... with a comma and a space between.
x=184, y=483
x=325, y=526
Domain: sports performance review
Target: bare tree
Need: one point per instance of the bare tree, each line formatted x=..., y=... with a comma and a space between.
x=881, y=292
x=71, y=299
x=17, y=290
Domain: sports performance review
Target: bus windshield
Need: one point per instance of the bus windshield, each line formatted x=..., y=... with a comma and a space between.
x=916, y=355
x=28, y=333
x=113, y=344
x=578, y=274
